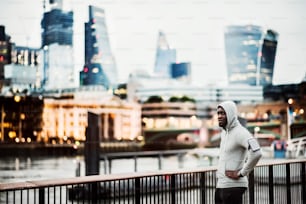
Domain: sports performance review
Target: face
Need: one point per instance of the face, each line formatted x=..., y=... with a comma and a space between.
x=222, y=119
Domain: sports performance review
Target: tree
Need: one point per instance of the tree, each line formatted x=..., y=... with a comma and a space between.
x=154, y=99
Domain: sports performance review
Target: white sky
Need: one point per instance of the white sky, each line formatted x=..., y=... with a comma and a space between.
x=194, y=27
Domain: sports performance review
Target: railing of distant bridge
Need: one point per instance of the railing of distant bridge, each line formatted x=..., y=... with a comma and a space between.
x=271, y=182
x=209, y=154
x=296, y=147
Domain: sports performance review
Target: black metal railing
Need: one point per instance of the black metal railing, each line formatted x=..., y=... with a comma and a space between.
x=270, y=182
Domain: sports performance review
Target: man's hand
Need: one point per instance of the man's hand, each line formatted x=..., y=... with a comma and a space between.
x=232, y=174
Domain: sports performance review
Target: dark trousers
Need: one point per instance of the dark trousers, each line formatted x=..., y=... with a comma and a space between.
x=229, y=195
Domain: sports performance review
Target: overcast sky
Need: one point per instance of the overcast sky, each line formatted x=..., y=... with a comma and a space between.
x=194, y=27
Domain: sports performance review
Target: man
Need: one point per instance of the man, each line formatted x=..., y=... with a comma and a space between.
x=239, y=154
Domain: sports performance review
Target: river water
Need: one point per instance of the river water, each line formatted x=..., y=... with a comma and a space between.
x=19, y=169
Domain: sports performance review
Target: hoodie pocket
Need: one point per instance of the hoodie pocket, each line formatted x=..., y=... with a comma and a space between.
x=234, y=165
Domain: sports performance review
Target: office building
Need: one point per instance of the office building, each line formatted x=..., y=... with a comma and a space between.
x=250, y=54
x=165, y=56
x=5, y=53
x=20, y=66
x=267, y=60
x=100, y=67
x=65, y=119
x=57, y=25
x=141, y=87
x=5, y=47
x=25, y=71
x=57, y=43
x=181, y=71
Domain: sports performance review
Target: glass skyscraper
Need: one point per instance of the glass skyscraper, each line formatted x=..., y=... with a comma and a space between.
x=57, y=26
x=268, y=54
x=100, y=67
x=165, y=56
x=181, y=70
x=250, y=54
x=57, y=43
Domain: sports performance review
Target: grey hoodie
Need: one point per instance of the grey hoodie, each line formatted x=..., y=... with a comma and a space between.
x=235, y=152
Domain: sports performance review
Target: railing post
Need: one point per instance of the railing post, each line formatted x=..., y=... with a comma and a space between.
x=159, y=162
x=135, y=163
x=105, y=164
x=303, y=182
x=180, y=160
x=251, y=188
x=109, y=165
x=137, y=190
x=93, y=192
x=288, y=183
x=92, y=144
x=299, y=147
x=173, y=184
x=202, y=187
x=41, y=196
x=271, y=190
x=78, y=169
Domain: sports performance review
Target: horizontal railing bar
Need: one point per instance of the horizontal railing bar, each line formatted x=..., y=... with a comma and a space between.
x=114, y=177
x=279, y=162
x=97, y=178
x=115, y=155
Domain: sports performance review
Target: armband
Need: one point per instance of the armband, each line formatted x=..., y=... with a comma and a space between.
x=253, y=144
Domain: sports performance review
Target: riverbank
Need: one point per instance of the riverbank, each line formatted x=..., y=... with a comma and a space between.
x=25, y=149
x=33, y=149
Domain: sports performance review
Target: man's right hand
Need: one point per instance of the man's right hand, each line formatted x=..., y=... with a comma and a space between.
x=232, y=174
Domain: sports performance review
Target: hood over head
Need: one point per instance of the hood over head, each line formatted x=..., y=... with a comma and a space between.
x=230, y=109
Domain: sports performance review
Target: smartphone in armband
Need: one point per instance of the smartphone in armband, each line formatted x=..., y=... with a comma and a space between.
x=253, y=144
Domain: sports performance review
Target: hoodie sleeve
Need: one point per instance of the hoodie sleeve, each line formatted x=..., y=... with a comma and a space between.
x=215, y=137
x=252, y=160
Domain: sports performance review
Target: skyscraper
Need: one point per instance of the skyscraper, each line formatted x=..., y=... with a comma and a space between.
x=181, y=70
x=165, y=56
x=268, y=54
x=57, y=44
x=250, y=53
x=100, y=67
x=5, y=53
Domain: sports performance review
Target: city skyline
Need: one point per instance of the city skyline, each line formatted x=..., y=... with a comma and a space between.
x=195, y=29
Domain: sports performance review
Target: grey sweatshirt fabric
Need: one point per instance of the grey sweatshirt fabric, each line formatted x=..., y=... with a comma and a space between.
x=235, y=153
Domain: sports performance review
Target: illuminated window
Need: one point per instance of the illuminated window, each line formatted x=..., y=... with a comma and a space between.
x=95, y=70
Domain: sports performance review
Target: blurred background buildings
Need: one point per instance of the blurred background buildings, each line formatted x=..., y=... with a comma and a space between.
x=43, y=101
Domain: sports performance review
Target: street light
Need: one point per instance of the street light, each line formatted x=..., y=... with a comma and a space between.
x=290, y=117
x=2, y=122
x=256, y=131
x=17, y=99
x=22, y=117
